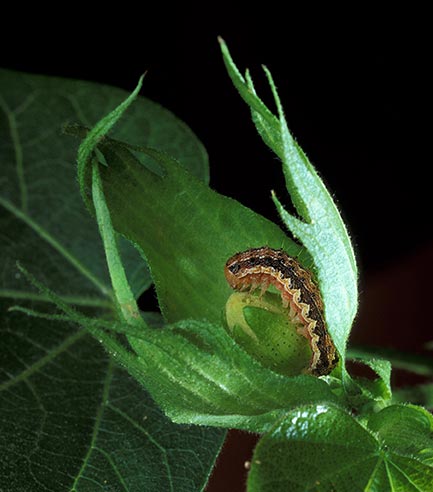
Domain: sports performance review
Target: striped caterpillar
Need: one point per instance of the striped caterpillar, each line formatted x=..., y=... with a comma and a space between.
x=262, y=267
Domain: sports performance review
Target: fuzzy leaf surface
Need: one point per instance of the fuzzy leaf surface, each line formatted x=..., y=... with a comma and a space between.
x=71, y=419
x=319, y=226
x=321, y=448
x=185, y=230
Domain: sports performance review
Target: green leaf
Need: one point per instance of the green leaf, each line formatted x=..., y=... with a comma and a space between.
x=323, y=448
x=407, y=429
x=97, y=133
x=320, y=227
x=71, y=420
x=59, y=391
x=198, y=374
x=42, y=219
x=185, y=230
x=379, y=389
x=382, y=368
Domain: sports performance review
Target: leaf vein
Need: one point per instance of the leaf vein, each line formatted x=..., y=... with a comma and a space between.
x=114, y=467
x=388, y=474
x=405, y=476
x=45, y=235
x=151, y=439
x=98, y=419
x=19, y=162
x=76, y=300
x=36, y=366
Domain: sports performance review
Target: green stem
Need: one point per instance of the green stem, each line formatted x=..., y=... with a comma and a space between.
x=128, y=307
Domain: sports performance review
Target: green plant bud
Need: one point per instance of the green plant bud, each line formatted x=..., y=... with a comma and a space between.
x=262, y=327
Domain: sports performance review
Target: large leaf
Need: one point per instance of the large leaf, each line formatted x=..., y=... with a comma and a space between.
x=63, y=406
x=186, y=230
x=71, y=420
x=43, y=220
x=325, y=449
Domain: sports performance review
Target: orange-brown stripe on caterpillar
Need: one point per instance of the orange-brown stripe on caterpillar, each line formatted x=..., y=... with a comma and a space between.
x=261, y=267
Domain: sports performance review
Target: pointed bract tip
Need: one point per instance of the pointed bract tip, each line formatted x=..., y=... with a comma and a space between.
x=266, y=70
